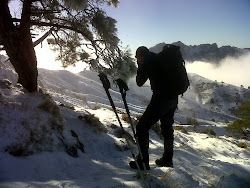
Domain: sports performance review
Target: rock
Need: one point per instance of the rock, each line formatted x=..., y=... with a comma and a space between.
x=120, y=133
x=121, y=145
x=72, y=151
x=113, y=126
x=73, y=133
x=79, y=144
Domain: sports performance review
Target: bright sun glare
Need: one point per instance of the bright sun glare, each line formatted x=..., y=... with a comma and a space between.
x=46, y=60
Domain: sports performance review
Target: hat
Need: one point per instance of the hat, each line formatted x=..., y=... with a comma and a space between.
x=141, y=51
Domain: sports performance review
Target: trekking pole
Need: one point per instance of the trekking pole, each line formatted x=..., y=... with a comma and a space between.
x=106, y=85
x=123, y=88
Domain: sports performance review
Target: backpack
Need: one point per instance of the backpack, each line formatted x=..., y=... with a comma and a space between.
x=174, y=75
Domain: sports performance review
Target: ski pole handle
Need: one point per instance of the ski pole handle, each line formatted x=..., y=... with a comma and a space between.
x=122, y=86
x=105, y=81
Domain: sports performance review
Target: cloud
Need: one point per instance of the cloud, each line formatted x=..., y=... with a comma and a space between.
x=234, y=71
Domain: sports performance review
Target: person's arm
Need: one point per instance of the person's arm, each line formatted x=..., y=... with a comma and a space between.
x=142, y=74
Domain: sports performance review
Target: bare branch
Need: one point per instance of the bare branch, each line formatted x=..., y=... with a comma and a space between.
x=38, y=41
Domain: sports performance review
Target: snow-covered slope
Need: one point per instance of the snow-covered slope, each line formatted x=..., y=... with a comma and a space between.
x=205, y=100
x=33, y=138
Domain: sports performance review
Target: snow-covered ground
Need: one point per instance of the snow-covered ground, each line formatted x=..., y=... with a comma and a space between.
x=39, y=146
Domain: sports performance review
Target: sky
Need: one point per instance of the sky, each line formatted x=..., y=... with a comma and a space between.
x=194, y=22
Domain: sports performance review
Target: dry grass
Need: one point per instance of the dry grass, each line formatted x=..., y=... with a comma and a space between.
x=242, y=145
x=209, y=131
x=181, y=128
x=94, y=122
x=50, y=106
x=125, y=118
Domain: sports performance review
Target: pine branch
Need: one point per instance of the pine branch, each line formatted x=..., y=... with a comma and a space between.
x=40, y=12
x=55, y=25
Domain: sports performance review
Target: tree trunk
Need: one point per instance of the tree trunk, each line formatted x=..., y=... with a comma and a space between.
x=22, y=56
x=18, y=44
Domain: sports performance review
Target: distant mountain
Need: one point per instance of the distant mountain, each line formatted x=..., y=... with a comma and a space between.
x=204, y=52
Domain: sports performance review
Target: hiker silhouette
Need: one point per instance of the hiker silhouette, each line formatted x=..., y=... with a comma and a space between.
x=163, y=102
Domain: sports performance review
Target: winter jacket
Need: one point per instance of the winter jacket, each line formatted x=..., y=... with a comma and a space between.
x=150, y=70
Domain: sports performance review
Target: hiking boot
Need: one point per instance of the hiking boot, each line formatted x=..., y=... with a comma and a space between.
x=132, y=164
x=167, y=158
x=144, y=144
x=162, y=162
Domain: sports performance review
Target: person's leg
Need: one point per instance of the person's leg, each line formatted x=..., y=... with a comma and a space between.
x=149, y=118
x=168, y=134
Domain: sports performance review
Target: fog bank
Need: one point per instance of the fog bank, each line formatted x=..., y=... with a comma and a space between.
x=234, y=71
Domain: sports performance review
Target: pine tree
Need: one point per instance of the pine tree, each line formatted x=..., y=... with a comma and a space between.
x=241, y=126
x=78, y=30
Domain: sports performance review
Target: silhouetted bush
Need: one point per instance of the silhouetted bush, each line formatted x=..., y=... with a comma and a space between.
x=192, y=121
x=242, y=145
x=209, y=131
x=241, y=126
x=96, y=108
x=181, y=128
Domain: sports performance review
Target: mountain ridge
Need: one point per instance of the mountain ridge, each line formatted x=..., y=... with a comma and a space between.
x=204, y=52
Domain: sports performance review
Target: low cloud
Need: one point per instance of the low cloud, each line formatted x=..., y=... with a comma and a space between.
x=234, y=71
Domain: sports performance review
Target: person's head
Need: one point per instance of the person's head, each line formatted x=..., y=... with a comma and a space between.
x=141, y=53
